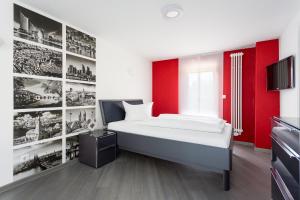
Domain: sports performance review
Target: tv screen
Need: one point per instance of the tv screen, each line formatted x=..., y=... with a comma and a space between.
x=281, y=75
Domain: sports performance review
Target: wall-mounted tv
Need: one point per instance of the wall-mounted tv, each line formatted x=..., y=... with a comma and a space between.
x=281, y=75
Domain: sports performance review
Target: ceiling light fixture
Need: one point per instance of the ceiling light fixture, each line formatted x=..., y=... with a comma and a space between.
x=172, y=11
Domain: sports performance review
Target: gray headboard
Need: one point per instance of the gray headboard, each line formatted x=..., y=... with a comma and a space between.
x=113, y=110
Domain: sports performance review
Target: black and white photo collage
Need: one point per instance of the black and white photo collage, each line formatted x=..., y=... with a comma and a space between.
x=54, y=91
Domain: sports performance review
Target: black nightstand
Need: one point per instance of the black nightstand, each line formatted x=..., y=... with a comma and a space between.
x=97, y=148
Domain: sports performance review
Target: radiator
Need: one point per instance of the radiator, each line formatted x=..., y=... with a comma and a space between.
x=236, y=92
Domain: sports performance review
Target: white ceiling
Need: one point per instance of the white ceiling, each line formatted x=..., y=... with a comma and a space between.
x=205, y=26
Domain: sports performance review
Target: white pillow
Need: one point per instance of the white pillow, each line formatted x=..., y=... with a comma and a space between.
x=137, y=112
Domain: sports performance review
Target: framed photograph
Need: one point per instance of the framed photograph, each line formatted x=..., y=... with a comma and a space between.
x=32, y=26
x=80, y=69
x=34, y=126
x=80, y=43
x=34, y=159
x=37, y=93
x=72, y=147
x=80, y=94
x=35, y=60
x=80, y=120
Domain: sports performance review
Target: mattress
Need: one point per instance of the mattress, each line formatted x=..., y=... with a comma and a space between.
x=221, y=140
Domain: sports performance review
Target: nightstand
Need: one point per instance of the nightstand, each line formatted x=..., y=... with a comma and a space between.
x=97, y=148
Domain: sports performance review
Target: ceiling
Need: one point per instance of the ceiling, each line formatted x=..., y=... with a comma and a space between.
x=205, y=26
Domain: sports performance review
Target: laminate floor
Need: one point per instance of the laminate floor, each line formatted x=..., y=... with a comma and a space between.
x=138, y=177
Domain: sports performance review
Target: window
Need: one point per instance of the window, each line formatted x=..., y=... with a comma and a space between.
x=199, y=92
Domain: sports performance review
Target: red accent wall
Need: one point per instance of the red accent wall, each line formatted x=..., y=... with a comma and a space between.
x=248, y=92
x=267, y=104
x=259, y=105
x=165, y=86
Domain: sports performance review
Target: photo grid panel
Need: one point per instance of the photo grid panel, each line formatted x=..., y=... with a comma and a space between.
x=80, y=43
x=80, y=69
x=45, y=130
x=34, y=159
x=34, y=60
x=72, y=147
x=80, y=94
x=32, y=26
x=37, y=125
x=80, y=120
x=80, y=88
x=36, y=93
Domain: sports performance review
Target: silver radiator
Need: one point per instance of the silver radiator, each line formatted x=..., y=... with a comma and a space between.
x=236, y=92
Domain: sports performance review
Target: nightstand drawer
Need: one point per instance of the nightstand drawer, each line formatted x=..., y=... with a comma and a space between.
x=276, y=193
x=106, y=156
x=289, y=181
x=289, y=135
x=107, y=141
x=279, y=189
x=290, y=161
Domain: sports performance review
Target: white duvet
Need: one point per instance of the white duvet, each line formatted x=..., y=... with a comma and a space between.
x=195, y=125
x=207, y=119
x=192, y=136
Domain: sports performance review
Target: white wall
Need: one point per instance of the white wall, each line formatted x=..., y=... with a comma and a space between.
x=289, y=45
x=120, y=74
x=6, y=88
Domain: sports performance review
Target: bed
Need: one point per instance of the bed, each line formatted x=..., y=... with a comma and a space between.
x=210, y=151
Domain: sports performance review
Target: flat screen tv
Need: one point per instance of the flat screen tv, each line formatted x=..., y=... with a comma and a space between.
x=281, y=75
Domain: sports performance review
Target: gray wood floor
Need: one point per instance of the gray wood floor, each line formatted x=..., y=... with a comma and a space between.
x=137, y=177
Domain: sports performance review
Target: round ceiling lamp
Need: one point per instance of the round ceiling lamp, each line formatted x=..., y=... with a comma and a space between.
x=172, y=11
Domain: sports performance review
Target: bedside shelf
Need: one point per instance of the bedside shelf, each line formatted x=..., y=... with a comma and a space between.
x=97, y=148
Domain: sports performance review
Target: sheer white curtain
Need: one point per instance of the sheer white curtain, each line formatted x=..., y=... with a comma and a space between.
x=200, y=85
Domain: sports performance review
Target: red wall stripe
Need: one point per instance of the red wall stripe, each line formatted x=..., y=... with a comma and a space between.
x=165, y=86
x=267, y=103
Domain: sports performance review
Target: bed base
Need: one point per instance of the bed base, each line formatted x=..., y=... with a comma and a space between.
x=214, y=159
